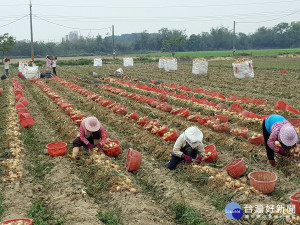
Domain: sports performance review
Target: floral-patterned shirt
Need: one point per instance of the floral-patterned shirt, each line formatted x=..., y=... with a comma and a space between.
x=83, y=133
x=274, y=134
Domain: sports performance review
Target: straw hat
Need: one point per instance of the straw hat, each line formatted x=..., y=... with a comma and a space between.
x=92, y=124
x=288, y=135
x=193, y=136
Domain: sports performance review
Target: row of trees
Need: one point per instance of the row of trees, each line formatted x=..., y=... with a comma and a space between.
x=283, y=35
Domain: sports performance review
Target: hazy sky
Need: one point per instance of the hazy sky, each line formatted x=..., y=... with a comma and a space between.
x=54, y=19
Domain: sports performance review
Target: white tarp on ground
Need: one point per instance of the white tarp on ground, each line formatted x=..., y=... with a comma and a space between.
x=199, y=67
x=171, y=64
x=29, y=71
x=243, y=69
x=98, y=62
x=128, y=62
x=119, y=72
x=161, y=63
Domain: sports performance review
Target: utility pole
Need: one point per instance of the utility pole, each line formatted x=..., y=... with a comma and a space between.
x=233, y=39
x=32, y=53
x=113, y=37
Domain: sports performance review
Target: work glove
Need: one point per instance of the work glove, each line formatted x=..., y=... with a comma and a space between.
x=272, y=162
x=199, y=158
x=99, y=145
x=187, y=158
x=282, y=152
x=90, y=146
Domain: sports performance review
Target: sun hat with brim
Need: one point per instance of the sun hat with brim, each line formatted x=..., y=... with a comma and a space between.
x=288, y=135
x=193, y=136
x=92, y=124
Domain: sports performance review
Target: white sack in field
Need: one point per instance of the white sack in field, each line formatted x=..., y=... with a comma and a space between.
x=128, y=62
x=243, y=69
x=161, y=63
x=199, y=67
x=98, y=62
x=171, y=64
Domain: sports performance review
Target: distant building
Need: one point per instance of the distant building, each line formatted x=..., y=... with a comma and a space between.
x=73, y=36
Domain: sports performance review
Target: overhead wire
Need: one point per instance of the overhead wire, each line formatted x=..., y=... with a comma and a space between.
x=77, y=28
x=263, y=21
x=166, y=6
x=14, y=21
x=151, y=19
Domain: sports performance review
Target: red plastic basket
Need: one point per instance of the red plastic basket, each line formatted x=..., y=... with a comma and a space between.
x=24, y=101
x=184, y=113
x=29, y=221
x=27, y=122
x=22, y=110
x=160, y=131
x=221, y=117
x=112, y=151
x=280, y=105
x=19, y=105
x=221, y=106
x=295, y=200
x=243, y=132
x=222, y=127
x=77, y=117
x=263, y=181
x=64, y=106
x=25, y=115
x=194, y=117
x=133, y=115
x=172, y=137
x=143, y=120
x=235, y=168
x=133, y=160
x=257, y=140
x=57, y=148
x=213, y=157
x=151, y=124
x=236, y=108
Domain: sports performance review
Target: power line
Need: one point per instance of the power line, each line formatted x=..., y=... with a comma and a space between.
x=13, y=21
x=168, y=6
x=74, y=28
x=263, y=21
x=13, y=5
x=72, y=18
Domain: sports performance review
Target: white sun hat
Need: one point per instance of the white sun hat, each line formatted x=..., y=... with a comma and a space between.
x=288, y=135
x=92, y=124
x=193, y=136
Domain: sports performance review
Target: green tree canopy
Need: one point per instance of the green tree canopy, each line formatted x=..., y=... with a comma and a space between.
x=172, y=40
x=6, y=43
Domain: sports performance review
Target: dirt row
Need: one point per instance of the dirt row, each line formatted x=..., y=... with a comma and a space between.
x=110, y=112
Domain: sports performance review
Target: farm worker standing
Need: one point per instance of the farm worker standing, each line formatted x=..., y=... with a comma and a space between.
x=6, y=65
x=48, y=63
x=187, y=147
x=91, y=133
x=54, y=59
x=277, y=128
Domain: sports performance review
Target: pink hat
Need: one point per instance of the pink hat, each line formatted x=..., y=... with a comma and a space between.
x=288, y=135
x=92, y=124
